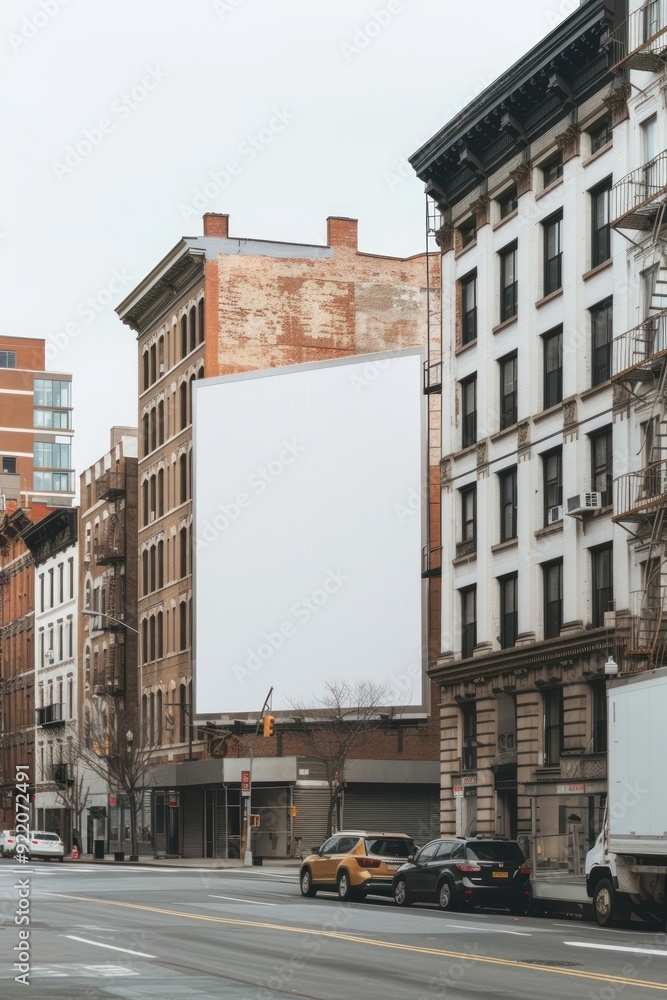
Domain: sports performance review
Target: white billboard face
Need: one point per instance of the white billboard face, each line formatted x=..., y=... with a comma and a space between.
x=308, y=533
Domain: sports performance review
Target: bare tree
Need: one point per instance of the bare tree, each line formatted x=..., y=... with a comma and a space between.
x=74, y=792
x=113, y=749
x=333, y=725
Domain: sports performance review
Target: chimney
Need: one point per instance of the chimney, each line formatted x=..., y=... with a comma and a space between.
x=343, y=232
x=216, y=224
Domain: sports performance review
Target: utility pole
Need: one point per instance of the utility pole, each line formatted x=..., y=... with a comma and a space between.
x=247, y=857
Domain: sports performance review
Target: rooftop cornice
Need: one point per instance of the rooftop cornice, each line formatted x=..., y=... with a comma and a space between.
x=559, y=73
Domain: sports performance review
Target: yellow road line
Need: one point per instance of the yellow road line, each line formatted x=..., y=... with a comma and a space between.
x=375, y=943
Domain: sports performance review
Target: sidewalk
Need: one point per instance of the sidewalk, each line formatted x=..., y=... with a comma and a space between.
x=212, y=863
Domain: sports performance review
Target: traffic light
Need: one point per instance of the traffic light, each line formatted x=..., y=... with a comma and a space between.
x=269, y=725
x=293, y=812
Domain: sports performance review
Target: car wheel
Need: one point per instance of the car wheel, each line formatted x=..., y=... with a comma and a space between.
x=346, y=892
x=446, y=900
x=307, y=887
x=604, y=903
x=401, y=894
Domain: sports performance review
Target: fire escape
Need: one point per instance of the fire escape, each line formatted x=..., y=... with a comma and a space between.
x=110, y=552
x=637, y=210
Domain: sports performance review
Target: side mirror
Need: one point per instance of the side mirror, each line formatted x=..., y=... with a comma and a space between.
x=412, y=857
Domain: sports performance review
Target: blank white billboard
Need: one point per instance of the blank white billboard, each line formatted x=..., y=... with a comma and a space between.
x=309, y=524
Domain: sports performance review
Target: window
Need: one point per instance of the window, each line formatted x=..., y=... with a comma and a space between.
x=153, y=425
x=469, y=736
x=468, y=621
x=184, y=336
x=469, y=411
x=602, y=334
x=53, y=419
x=553, y=367
x=160, y=422
x=160, y=493
x=144, y=571
x=48, y=455
x=601, y=134
x=509, y=285
x=468, y=520
x=183, y=542
x=508, y=504
x=52, y=393
x=508, y=202
x=508, y=382
x=553, y=486
x=153, y=355
x=61, y=583
x=70, y=570
x=200, y=317
x=144, y=491
x=183, y=394
x=159, y=650
x=41, y=592
x=553, y=254
x=9, y=464
x=469, y=308
x=468, y=232
x=603, y=583
x=146, y=374
x=428, y=853
x=601, y=234
x=160, y=564
x=553, y=726
x=553, y=599
x=651, y=19
x=144, y=641
x=183, y=625
x=599, y=715
x=509, y=611
x=183, y=476
x=648, y=133
x=601, y=464
x=51, y=482
x=552, y=169
x=7, y=359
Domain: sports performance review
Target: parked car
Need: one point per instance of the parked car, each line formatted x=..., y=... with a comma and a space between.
x=458, y=872
x=355, y=863
x=42, y=844
x=7, y=842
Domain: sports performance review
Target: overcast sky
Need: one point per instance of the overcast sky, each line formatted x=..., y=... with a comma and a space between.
x=115, y=116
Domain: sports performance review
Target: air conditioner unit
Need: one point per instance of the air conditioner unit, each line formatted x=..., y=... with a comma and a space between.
x=50, y=656
x=584, y=503
x=554, y=514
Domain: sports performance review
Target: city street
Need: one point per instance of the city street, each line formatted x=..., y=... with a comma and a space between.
x=115, y=931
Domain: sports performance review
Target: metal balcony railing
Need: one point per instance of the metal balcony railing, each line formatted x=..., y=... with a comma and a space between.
x=636, y=351
x=111, y=548
x=110, y=486
x=432, y=377
x=431, y=562
x=50, y=715
x=638, y=494
x=634, y=200
x=640, y=41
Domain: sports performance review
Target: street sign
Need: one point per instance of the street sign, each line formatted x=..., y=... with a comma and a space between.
x=470, y=779
x=245, y=781
x=458, y=791
x=576, y=789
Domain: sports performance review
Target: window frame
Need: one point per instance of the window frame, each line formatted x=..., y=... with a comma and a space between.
x=508, y=477
x=468, y=628
x=607, y=469
x=601, y=370
x=552, y=485
x=552, y=280
x=508, y=415
x=552, y=385
x=469, y=493
x=601, y=235
x=509, y=291
x=552, y=721
x=553, y=165
x=468, y=418
x=602, y=596
x=509, y=620
x=508, y=201
x=551, y=632
x=468, y=316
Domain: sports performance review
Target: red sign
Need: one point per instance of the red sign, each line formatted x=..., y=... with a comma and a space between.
x=245, y=781
x=112, y=801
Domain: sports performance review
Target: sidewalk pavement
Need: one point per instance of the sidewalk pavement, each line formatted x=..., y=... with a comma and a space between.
x=212, y=863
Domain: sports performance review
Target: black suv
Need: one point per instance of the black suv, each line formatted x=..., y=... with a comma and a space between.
x=458, y=872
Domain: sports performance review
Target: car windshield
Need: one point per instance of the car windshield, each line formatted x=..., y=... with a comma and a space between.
x=496, y=850
x=390, y=847
x=45, y=836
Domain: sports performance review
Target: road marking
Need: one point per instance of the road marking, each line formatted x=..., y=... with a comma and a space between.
x=235, y=899
x=111, y=947
x=488, y=930
x=370, y=942
x=617, y=947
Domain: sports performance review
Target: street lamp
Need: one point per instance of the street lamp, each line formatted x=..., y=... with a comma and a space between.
x=102, y=614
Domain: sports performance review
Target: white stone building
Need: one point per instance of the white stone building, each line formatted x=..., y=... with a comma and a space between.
x=549, y=400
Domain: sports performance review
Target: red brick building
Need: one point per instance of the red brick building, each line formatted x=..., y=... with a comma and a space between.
x=218, y=305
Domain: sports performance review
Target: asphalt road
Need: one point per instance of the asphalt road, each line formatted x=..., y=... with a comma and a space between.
x=102, y=932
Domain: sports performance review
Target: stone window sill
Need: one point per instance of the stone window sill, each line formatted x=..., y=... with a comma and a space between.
x=549, y=298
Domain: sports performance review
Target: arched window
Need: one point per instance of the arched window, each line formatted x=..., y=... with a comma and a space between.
x=183, y=706
x=96, y=668
x=192, y=395
x=159, y=648
x=160, y=356
x=183, y=474
x=193, y=328
x=183, y=391
x=146, y=377
x=151, y=637
x=160, y=422
x=144, y=719
x=144, y=641
x=144, y=571
x=160, y=565
x=160, y=493
x=87, y=604
x=87, y=666
x=153, y=496
x=153, y=363
x=200, y=373
x=183, y=631
x=144, y=491
x=200, y=319
x=158, y=718
x=183, y=546
x=184, y=336
x=146, y=434
x=153, y=429
x=152, y=568
x=151, y=720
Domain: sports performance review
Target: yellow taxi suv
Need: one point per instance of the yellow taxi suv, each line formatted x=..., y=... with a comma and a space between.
x=355, y=863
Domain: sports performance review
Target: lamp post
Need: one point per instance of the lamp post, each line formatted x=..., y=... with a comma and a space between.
x=247, y=857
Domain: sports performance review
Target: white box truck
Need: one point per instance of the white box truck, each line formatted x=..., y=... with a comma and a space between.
x=627, y=868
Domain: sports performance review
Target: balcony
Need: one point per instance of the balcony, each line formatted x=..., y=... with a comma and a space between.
x=50, y=715
x=640, y=42
x=638, y=495
x=639, y=351
x=636, y=198
x=432, y=377
x=431, y=562
x=61, y=774
x=111, y=681
x=110, y=486
x=111, y=548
